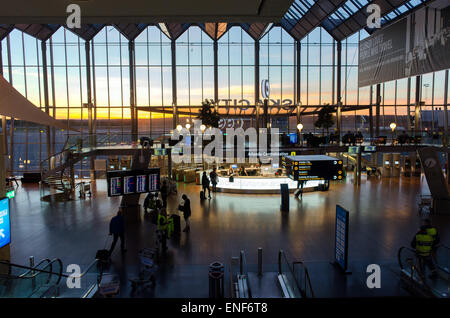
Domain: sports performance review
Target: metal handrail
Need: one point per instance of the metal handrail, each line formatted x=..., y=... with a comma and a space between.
x=281, y=256
x=307, y=279
x=413, y=266
x=36, y=266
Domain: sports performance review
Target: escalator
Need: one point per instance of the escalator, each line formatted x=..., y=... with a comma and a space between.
x=286, y=280
x=19, y=281
x=47, y=280
x=417, y=281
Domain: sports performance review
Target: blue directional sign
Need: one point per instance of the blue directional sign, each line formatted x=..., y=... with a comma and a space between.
x=5, y=225
x=341, y=243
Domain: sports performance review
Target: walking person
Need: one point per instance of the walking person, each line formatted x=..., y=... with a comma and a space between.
x=423, y=244
x=117, y=229
x=185, y=207
x=164, y=193
x=213, y=177
x=300, y=184
x=205, y=184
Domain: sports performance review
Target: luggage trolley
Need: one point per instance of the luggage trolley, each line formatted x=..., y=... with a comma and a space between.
x=147, y=273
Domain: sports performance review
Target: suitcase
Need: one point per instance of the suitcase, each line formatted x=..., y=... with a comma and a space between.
x=202, y=195
x=231, y=179
x=176, y=223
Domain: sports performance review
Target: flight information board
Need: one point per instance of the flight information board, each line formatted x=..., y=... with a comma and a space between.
x=133, y=181
x=313, y=167
x=341, y=237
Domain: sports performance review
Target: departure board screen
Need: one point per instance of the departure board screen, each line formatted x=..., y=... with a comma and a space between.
x=153, y=182
x=129, y=182
x=141, y=183
x=313, y=167
x=115, y=186
x=129, y=185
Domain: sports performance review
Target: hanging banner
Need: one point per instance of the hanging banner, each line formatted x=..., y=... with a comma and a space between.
x=415, y=45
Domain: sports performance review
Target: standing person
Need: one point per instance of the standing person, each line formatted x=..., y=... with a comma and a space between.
x=117, y=229
x=164, y=193
x=213, y=177
x=205, y=184
x=147, y=201
x=186, y=209
x=423, y=244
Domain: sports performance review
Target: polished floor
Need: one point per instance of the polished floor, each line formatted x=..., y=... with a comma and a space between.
x=383, y=217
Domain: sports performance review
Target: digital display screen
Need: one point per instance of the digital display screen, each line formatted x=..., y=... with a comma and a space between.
x=129, y=185
x=353, y=149
x=275, y=166
x=386, y=162
x=5, y=225
x=187, y=141
x=141, y=184
x=153, y=183
x=293, y=138
x=370, y=148
x=133, y=181
x=396, y=162
x=313, y=167
x=115, y=186
x=234, y=166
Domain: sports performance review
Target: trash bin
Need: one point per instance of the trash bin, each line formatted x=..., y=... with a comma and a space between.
x=216, y=280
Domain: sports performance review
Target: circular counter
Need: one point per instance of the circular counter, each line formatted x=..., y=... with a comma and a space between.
x=261, y=184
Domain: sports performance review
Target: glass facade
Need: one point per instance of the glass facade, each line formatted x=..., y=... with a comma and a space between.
x=311, y=66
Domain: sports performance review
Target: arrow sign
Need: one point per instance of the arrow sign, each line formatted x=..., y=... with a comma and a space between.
x=1, y=233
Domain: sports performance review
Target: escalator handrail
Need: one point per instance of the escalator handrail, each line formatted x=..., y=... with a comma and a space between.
x=307, y=278
x=281, y=256
x=50, y=272
x=413, y=267
x=37, y=270
x=437, y=264
x=24, y=275
x=243, y=271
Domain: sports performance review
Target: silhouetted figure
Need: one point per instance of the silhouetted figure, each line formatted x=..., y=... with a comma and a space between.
x=117, y=229
x=205, y=184
x=185, y=207
x=213, y=177
x=164, y=193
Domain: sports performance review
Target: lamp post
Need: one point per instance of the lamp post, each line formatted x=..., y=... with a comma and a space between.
x=300, y=127
x=393, y=126
x=202, y=128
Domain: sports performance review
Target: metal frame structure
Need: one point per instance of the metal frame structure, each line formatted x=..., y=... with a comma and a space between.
x=98, y=67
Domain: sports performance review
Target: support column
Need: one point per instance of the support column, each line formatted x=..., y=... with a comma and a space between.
x=338, y=90
x=11, y=124
x=133, y=111
x=298, y=89
x=174, y=85
x=92, y=139
x=446, y=110
x=4, y=128
x=417, y=105
x=257, y=89
x=377, y=110
x=408, y=103
x=371, y=114
x=46, y=95
x=216, y=76
x=445, y=137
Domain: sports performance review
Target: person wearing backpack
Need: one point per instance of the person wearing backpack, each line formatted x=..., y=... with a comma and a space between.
x=205, y=184
x=213, y=177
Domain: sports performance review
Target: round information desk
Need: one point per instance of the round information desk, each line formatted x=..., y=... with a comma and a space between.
x=262, y=184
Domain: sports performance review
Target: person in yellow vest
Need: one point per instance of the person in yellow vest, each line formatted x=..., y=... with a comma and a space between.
x=432, y=231
x=162, y=228
x=423, y=244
